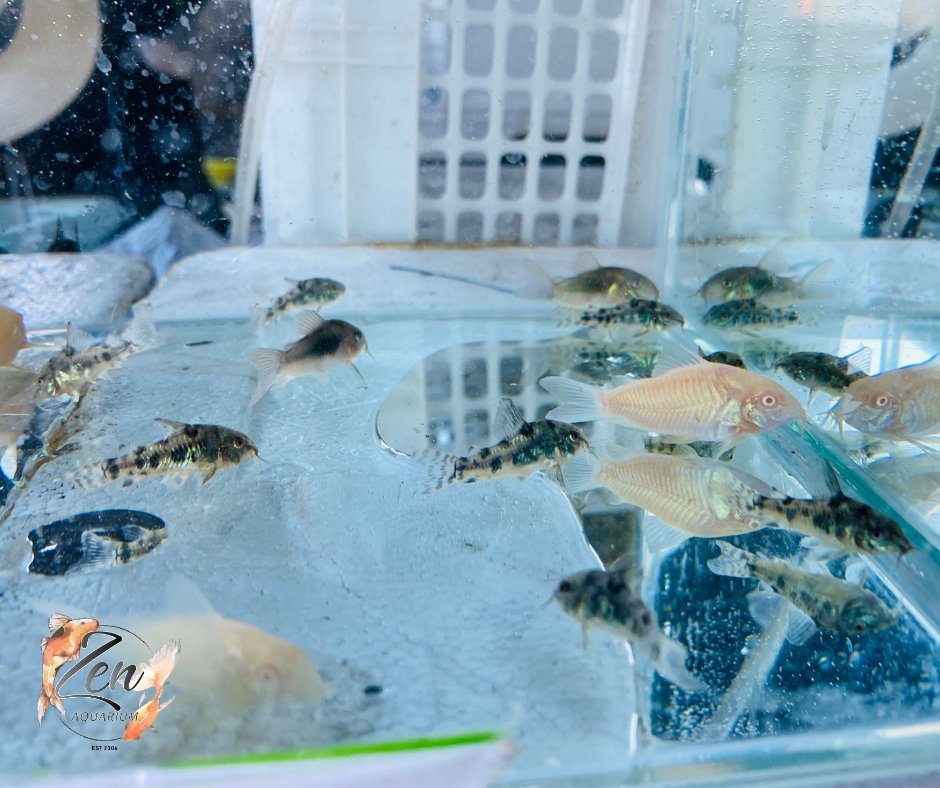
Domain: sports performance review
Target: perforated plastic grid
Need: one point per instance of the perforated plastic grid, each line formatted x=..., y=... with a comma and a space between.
x=525, y=119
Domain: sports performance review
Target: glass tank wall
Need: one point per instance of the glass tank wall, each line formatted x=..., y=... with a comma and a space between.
x=469, y=391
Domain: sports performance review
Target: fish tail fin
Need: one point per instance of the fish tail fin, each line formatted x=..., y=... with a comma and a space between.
x=579, y=402
x=160, y=666
x=819, y=276
x=42, y=705
x=88, y=477
x=539, y=283
x=440, y=469
x=165, y=703
x=141, y=331
x=268, y=363
x=732, y=562
x=669, y=657
x=580, y=473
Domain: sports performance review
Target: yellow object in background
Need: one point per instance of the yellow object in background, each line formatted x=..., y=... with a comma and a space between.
x=220, y=171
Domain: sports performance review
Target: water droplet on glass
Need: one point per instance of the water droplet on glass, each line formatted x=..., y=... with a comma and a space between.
x=824, y=663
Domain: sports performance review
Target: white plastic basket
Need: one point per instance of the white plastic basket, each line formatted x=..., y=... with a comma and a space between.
x=452, y=121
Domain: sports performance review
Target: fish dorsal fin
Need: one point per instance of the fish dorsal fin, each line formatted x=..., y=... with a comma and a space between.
x=309, y=322
x=171, y=427
x=77, y=339
x=57, y=621
x=508, y=419
x=674, y=356
x=660, y=537
x=859, y=361
x=627, y=566
x=585, y=261
x=291, y=281
x=182, y=598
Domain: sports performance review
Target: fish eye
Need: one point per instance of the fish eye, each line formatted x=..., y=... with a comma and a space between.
x=564, y=587
x=768, y=400
x=726, y=282
x=881, y=400
x=268, y=673
x=574, y=435
x=238, y=443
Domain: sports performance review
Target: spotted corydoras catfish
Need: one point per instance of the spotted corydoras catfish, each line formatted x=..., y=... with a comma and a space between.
x=305, y=294
x=187, y=449
x=818, y=598
x=529, y=446
x=609, y=600
x=81, y=361
x=323, y=344
x=598, y=286
x=840, y=522
x=748, y=313
x=639, y=314
x=821, y=371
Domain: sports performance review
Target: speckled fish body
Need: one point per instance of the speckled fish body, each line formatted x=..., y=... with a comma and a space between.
x=305, y=294
x=70, y=370
x=697, y=496
x=821, y=371
x=535, y=446
x=902, y=404
x=748, y=313
x=832, y=603
x=609, y=601
x=838, y=522
x=190, y=448
x=638, y=313
x=700, y=401
x=743, y=282
x=604, y=286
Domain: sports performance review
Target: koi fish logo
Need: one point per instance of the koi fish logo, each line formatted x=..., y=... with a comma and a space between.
x=67, y=637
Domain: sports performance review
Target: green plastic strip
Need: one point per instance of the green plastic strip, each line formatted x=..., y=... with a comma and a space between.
x=342, y=750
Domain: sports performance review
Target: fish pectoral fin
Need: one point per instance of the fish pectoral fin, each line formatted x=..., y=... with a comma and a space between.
x=725, y=446
x=660, y=537
x=209, y=474
x=355, y=369
x=97, y=551
x=584, y=636
x=765, y=608
x=77, y=339
x=42, y=644
x=75, y=657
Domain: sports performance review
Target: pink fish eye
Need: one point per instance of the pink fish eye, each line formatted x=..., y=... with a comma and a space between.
x=268, y=673
x=881, y=400
x=768, y=400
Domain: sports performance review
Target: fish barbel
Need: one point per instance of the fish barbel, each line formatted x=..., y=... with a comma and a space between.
x=829, y=603
x=608, y=600
x=698, y=401
x=692, y=496
x=902, y=404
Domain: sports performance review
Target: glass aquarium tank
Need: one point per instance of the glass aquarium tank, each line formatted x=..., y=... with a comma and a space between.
x=469, y=392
